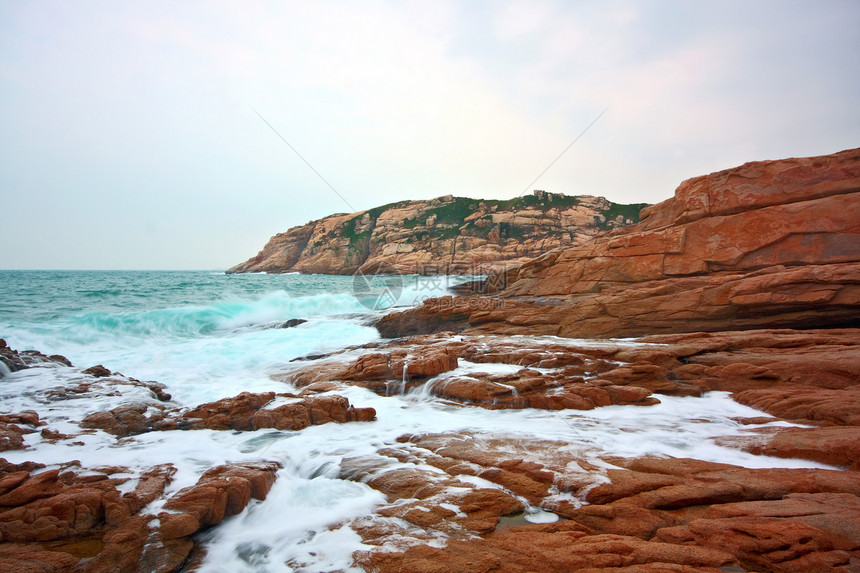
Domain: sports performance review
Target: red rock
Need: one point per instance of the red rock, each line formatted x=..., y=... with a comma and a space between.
x=248, y=412
x=11, y=432
x=176, y=525
x=8, y=467
x=125, y=420
x=245, y=411
x=11, y=438
x=10, y=358
x=361, y=414
x=34, y=487
x=28, y=417
x=53, y=435
x=772, y=544
x=295, y=416
x=224, y=491
x=626, y=483
x=151, y=484
x=228, y=413
x=15, y=361
x=835, y=513
x=796, y=402
x=429, y=364
x=676, y=502
x=400, y=366
x=745, y=254
x=98, y=371
x=654, y=494
x=651, y=377
x=12, y=480
x=530, y=549
x=58, y=519
x=122, y=549
x=61, y=512
x=525, y=388
x=17, y=559
x=755, y=185
x=60, y=359
x=764, y=359
x=836, y=446
x=169, y=555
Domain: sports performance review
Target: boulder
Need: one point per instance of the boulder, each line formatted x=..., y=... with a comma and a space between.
x=222, y=491
x=248, y=412
x=245, y=412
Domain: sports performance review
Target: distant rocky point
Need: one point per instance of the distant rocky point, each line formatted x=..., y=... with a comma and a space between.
x=446, y=235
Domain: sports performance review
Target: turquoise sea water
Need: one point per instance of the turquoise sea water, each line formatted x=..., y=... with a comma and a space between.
x=189, y=330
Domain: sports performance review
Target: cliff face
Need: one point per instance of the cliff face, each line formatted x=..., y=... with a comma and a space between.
x=446, y=235
x=766, y=244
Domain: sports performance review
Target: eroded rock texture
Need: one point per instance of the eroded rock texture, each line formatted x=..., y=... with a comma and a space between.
x=768, y=244
x=77, y=520
x=446, y=235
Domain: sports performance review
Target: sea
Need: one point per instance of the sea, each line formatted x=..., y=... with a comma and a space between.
x=207, y=335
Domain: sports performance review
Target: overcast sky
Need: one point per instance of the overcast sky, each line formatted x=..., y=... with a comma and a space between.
x=129, y=134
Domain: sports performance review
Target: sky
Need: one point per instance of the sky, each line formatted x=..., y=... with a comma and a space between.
x=136, y=134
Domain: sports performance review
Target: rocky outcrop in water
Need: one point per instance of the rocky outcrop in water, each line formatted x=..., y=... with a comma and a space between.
x=768, y=244
x=805, y=377
x=12, y=361
x=645, y=514
x=245, y=412
x=626, y=514
x=446, y=235
x=78, y=520
x=98, y=519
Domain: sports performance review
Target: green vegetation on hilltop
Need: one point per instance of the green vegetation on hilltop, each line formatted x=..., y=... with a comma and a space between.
x=453, y=213
x=546, y=202
x=630, y=211
x=450, y=217
x=348, y=228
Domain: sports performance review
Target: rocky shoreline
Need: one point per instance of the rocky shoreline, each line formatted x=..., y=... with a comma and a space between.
x=745, y=284
x=634, y=514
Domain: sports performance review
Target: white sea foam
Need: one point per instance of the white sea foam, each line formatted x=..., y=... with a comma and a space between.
x=291, y=526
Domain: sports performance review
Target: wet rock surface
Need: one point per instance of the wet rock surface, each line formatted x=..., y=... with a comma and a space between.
x=645, y=513
x=552, y=377
x=449, y=497
x=807, y=376
x=97, y=519
x=12, y=361
x=671, y=514
x=656, y=514
x=245, y=412
x=78, y=520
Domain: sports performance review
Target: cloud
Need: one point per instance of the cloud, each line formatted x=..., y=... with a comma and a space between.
x=141, y=114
